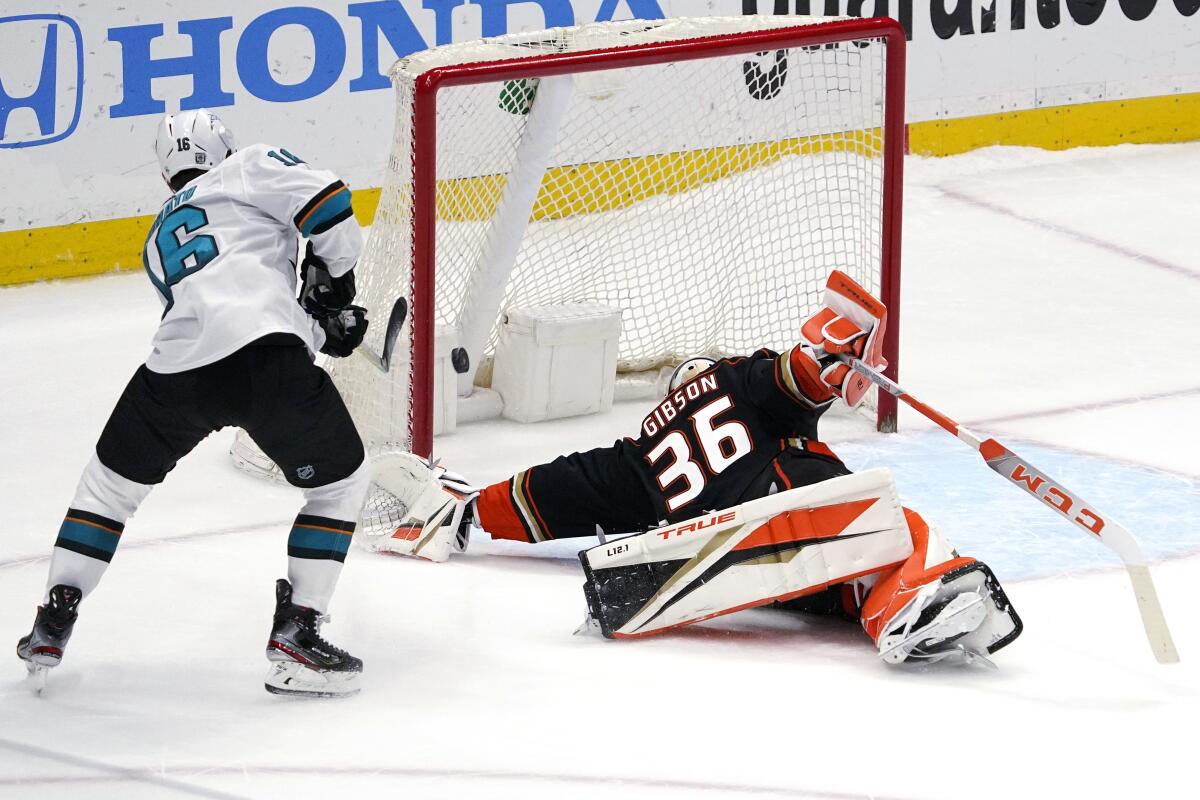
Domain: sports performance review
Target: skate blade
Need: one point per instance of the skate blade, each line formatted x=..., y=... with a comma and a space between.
x=974, y=658
x=589, y=626
x=293, y=678
x=35, y=677
x=957, y=619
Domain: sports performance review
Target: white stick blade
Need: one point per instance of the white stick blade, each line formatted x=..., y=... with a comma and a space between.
x=1152, y=615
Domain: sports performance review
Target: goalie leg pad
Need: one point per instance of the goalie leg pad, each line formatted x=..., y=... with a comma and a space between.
x=778, y=547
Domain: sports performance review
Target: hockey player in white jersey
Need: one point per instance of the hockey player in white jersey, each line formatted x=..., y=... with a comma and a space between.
x=234, y=347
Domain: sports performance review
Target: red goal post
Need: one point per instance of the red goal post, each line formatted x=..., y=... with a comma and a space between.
x=422, y=205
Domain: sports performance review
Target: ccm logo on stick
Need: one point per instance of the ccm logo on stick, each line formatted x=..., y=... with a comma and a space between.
x=1057, y=497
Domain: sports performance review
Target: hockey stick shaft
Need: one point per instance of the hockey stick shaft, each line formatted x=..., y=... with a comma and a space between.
x=373, y=358
x=1041, y=486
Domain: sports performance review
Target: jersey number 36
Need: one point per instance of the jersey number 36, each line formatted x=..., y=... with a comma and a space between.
x=720, y=446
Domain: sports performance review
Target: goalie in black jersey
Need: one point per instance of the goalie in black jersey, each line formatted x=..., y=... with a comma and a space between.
x=740, y=504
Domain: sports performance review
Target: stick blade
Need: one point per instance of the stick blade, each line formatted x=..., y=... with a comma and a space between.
x=395, y=323
x=1153, y=619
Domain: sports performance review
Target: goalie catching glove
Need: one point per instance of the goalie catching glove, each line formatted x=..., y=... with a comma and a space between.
x=438, y=507
x=851, y=323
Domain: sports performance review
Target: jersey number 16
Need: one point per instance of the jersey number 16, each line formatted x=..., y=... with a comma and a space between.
x=181, y=258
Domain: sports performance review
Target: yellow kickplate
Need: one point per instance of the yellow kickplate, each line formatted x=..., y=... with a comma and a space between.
x=1148, y=120
x=91, y=248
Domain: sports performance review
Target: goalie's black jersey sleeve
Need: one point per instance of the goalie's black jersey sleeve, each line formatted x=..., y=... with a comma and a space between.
x=722, y=438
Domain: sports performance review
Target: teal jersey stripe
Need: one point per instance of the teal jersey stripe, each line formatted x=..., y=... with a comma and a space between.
x=89, y=536
x=312, y=539
x=337, y=204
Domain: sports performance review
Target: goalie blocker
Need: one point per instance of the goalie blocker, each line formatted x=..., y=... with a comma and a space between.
x=915, y=597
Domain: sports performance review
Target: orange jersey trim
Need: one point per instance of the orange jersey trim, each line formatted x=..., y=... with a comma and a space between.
x=820, y=448
x=498, y=515
x=787, y=484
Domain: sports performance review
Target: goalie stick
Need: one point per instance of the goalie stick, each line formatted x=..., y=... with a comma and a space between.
x=383, y=361
x=1038, y=484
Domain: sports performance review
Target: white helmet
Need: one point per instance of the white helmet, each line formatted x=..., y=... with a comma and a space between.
x=689, y=369
x=191, y=140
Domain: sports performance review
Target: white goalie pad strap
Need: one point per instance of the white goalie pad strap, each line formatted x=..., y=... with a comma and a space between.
x=433, y=513
x=937, y=549
x=773, y=548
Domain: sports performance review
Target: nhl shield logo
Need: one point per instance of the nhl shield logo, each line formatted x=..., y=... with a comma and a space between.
x=305, y=472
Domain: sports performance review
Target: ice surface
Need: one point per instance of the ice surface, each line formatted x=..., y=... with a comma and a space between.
x=1048, y=298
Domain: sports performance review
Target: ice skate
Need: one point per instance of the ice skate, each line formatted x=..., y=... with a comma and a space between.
x=42, y=649
x=961, y=619
x=933, y=635
x=303, y=663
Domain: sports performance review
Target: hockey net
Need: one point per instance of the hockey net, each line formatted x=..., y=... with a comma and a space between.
x=702, y=175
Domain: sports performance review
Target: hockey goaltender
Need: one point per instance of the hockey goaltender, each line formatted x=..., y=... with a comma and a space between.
x=738, y=504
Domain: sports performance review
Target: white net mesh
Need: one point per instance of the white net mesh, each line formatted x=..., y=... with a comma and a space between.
x=706, y=198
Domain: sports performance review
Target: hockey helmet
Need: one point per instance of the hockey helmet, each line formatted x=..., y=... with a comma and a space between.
x=194, y=139
x=690, y=368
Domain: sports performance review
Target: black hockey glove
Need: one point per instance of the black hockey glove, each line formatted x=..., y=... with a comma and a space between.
x=321, y=294
x=344, y=331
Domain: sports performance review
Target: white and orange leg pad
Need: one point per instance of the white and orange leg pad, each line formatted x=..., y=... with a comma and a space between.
x=437, y=507
x=778, y=547
x=938, y=606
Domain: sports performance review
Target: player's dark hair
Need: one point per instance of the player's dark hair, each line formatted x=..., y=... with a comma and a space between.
x=183, y=178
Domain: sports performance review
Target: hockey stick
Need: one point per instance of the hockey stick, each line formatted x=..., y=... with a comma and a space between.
x=1038, y=484
x=383, y=362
